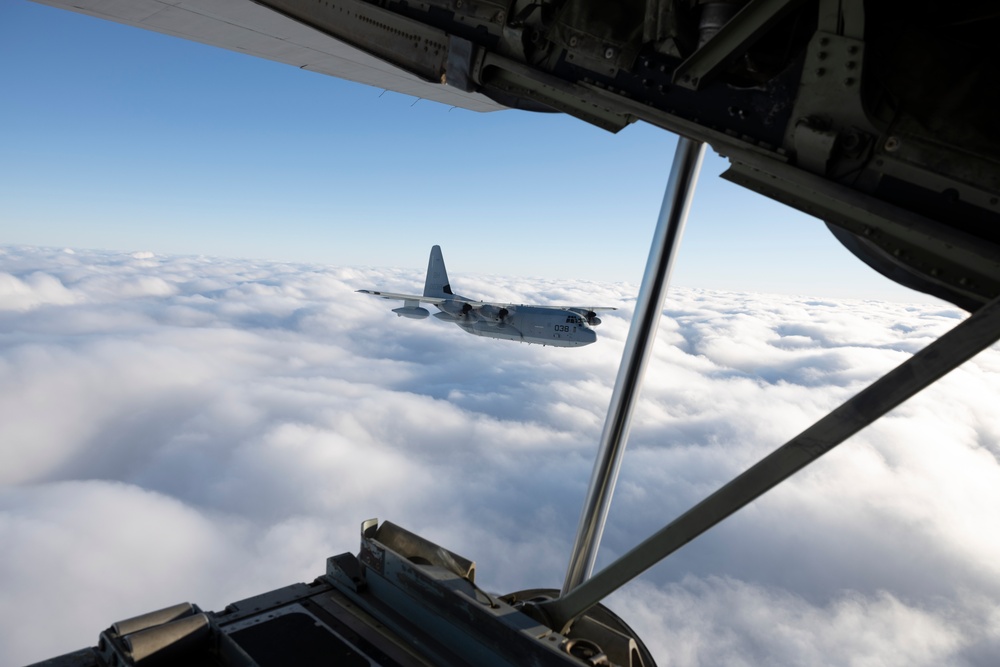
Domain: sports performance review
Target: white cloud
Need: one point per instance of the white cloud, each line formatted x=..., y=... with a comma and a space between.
x=205, y=429
x=724, y=621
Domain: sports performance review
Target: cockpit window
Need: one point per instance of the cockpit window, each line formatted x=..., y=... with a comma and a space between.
x=573, y=319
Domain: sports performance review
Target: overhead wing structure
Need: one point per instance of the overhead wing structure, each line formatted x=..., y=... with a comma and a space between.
x=393, y=296
x=247, y=27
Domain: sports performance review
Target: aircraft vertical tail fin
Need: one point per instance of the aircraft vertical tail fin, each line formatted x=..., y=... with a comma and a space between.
x=437, y=283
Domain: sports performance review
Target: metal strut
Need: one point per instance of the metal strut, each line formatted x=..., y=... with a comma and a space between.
x=642, y=332
x=947, y=353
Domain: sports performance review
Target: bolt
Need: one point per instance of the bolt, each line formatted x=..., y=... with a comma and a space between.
x=849, y=81
x=851, y=64
x=821, y=55
x=573, y=40
x=500, y=17
x=823, y=41
x=609, y=53
x=820, y=71
x=852, y=49
x=892, y=144
x=458, y=4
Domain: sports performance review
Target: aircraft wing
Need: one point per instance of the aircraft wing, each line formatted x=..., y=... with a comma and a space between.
x=406, y=297
x=247, y=27
x=476, y=305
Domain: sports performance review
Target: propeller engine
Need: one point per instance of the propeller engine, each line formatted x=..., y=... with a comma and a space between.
x=589, y=316
x=475, y=312
x=459, y=310
x=493, y=315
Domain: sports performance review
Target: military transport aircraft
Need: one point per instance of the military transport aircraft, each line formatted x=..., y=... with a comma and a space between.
x=878, y=118
x=547, y=325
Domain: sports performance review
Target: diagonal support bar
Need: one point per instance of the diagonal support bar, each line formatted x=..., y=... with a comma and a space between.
x=642, y=332
x=732, y=41
x=972, y=336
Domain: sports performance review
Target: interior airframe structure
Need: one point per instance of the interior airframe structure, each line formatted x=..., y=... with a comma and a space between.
x=559, y=326
x=877, y=118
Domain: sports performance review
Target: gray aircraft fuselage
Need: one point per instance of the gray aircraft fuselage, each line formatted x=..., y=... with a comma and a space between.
x=528, y=324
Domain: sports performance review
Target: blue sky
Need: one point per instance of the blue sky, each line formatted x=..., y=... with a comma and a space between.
x=125, y=139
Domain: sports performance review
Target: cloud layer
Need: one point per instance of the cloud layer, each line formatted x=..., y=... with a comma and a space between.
x=180, y=428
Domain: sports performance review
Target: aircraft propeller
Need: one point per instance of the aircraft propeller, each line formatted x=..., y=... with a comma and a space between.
x=492, y=315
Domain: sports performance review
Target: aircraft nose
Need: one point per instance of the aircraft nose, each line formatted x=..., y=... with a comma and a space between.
x=589, y=336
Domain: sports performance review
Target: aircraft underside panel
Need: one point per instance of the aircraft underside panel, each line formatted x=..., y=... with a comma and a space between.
x=247, y=27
